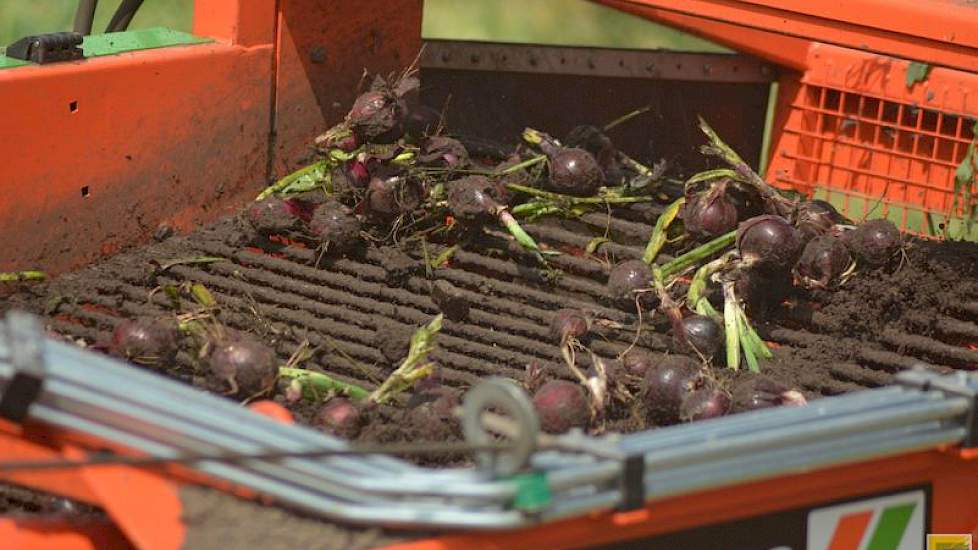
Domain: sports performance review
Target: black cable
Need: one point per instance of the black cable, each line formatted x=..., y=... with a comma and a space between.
x=85, y=16
x=433, y=447
x=123, y=15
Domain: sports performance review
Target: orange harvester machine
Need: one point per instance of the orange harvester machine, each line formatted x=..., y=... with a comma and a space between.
x=874, y=112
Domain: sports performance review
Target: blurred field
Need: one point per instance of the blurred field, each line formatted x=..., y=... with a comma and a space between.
x=22, y=17
x=558, y=22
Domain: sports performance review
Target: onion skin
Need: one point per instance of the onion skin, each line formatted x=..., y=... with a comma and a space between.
x=637, y=363
x=704, y=403
x=561, y=405
x=626, y=278
x=711, y=214
x=574, y=171
x=568, y=324
x=769, y=242
x=824, y=259
x=875, y=242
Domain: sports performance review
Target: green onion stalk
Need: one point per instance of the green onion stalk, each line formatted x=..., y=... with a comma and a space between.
x=782, y=206
x=658, y=238
x=740, y=335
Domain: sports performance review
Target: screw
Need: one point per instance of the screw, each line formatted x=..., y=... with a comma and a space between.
x=317, y=55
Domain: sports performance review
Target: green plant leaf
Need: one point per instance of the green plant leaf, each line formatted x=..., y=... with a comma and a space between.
x=917, y=72
x=202, y=295
x=658, y=238
x=594, y=243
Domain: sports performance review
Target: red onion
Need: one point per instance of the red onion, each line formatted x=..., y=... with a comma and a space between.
x=561, y=405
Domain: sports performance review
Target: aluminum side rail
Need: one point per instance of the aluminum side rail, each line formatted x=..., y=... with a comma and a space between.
x=132, y=408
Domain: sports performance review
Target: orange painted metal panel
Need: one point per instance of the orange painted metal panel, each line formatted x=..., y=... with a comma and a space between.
x=951, y=21
x=954, y=505
x=784, y=50
x=323, y=49
x=143, y=504
x=96, y=154
x=59, y=533
x=245, y=23
x=902, y=42
x=38, y=443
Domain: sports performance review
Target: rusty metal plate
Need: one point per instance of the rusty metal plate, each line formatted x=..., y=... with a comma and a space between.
x=595, y=62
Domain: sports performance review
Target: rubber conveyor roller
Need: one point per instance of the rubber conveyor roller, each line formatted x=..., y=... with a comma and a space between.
x=102, y=397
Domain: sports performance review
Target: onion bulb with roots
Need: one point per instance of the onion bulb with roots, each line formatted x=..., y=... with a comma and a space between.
x=144, y=341
x=769, y=242
x=875, y=242
x=701, y=333
x=376, y=117
x=823, y=261
x=626, y=279
x=246, y=366
x=335, y=224
x=567, y=325
x=561, y=405
x=710, y=213
x=473, y=199
x=593, y=140
x=666, y=386
x=574, y=171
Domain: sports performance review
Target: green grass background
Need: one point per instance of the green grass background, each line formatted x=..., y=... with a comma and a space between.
x=557, y=22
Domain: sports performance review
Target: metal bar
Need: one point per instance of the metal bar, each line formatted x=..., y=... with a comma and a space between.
x=753, y=421
x=606, y=62
x=764, y=441
x=123, y=15
x=173, y=413
x=84, y=16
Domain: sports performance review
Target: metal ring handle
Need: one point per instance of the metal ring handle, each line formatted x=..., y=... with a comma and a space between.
x=508, y=398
